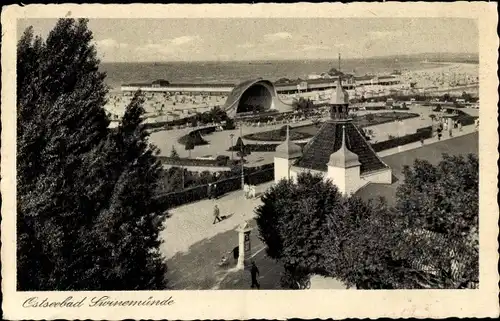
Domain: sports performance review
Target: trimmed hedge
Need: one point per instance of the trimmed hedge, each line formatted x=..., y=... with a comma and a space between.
x=261, y=147
x=253, y=176
x=219, y=161
x=421, y=133
x=196, y=134
x=277, y=135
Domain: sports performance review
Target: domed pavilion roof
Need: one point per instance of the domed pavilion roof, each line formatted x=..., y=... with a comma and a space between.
x=288, y=149
x=340, y=96
x=343, y=157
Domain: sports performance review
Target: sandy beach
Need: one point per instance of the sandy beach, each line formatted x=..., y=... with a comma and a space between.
x=451, y=77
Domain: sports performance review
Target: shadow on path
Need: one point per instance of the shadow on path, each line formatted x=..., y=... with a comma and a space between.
x=198, y=268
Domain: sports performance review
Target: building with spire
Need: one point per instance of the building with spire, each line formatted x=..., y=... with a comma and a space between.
x=339, y=152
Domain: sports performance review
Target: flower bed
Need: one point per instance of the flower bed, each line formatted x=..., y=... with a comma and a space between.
x=278, y=135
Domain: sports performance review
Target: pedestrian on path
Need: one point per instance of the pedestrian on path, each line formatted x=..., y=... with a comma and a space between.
x=216, y=215
x=254, y=271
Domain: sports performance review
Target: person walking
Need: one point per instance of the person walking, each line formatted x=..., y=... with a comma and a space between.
x=254, y=271
x=216, y=215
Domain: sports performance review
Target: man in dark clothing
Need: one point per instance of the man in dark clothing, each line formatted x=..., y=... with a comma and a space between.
x=216, y=215
x=254, y=271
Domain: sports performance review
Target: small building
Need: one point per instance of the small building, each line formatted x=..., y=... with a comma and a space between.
x=339, y=152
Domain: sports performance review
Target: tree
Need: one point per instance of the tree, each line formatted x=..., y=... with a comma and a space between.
x=128, y=230
x=335, y=72
x=230, y=124
x=173, y=153
x=292, y=221
x=189, y=146
x=241, y=148
x=194, y=121
x=303, y=106
x=358, y=245
x=439, y=208
x=466, y=96
x=80, y=225
x=428, y=240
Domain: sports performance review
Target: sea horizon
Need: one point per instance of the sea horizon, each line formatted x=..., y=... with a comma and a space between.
x=391, y=56
x=234, y=71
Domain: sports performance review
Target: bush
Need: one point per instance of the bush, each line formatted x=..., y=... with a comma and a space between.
x=195, y=138
x=220, y=161
x=261, y=147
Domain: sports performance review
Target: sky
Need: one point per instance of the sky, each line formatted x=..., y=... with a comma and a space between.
x=157, y=40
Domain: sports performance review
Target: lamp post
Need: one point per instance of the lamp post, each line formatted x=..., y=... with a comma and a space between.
x=232, y=146
x=242, y=159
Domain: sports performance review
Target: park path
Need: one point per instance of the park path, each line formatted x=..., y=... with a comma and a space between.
x=192, y=223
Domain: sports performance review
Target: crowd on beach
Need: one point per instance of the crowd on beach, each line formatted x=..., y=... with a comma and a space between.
x=449, y=75
x=171, y=105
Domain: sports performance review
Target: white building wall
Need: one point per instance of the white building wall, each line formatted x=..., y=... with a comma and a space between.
x=281, y=167
x=379, y=177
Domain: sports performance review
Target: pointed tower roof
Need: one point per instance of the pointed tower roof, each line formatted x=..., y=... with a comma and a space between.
x=343, y=157
x=288, y=149
x=340, y=97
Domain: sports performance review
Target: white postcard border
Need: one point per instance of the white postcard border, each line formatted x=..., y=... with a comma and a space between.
x=267, y=304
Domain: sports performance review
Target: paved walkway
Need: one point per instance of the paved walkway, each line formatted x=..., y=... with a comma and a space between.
x=456, y=133
x=192, y=223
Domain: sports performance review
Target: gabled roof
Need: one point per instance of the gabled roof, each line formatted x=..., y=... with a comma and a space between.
x=316, y=153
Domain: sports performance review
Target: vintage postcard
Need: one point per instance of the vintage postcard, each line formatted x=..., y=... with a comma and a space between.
x=249, y=161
